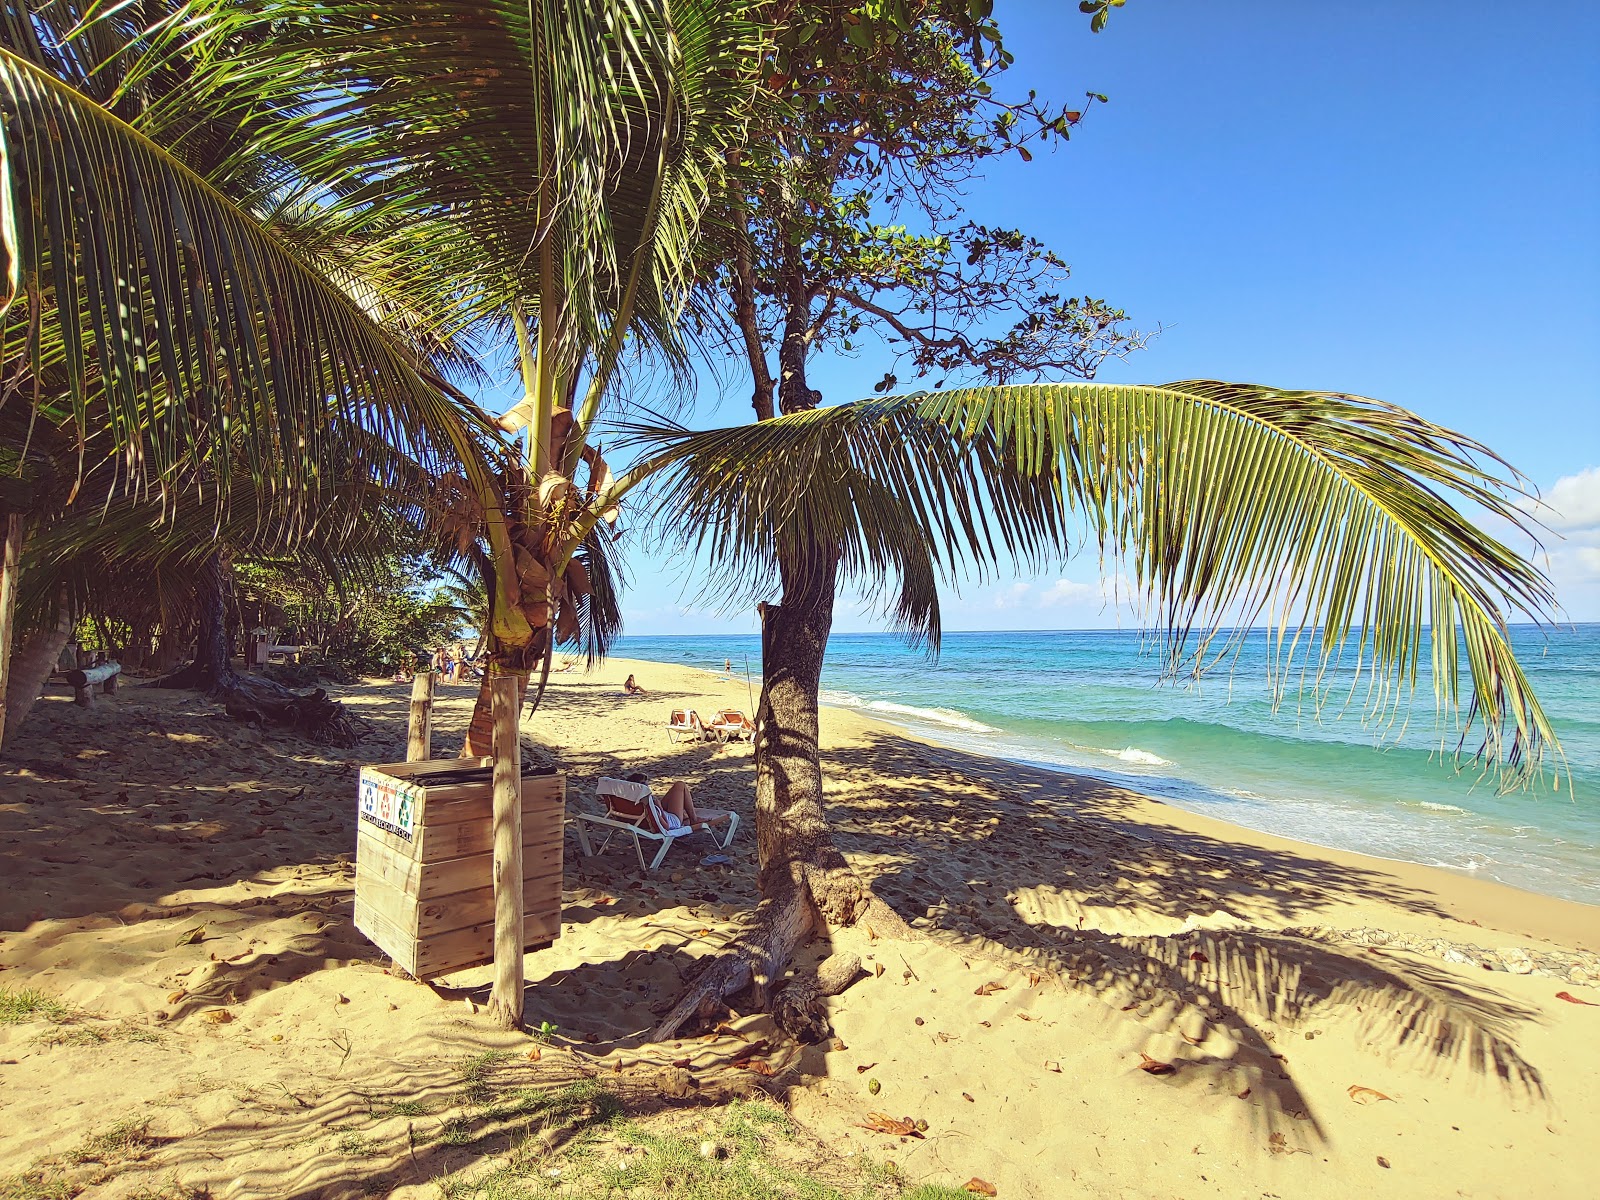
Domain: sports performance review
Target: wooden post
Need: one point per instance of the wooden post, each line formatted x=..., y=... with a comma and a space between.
x=10, y=568
x=505, y=1000
x=419, y=740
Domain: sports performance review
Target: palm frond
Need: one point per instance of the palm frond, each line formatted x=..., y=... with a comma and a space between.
x=1335, y=520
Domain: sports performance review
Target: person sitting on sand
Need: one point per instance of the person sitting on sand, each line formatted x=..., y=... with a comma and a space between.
x=632, y=688
x=677, y=805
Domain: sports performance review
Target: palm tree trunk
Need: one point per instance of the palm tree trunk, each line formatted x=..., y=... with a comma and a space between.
x=807, y=887
x=31, y=663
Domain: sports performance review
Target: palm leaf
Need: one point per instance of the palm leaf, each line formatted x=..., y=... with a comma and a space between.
x=1336, y=520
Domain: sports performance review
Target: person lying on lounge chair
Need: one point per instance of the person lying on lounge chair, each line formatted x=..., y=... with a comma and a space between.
x=632, y=688
x=677, y=805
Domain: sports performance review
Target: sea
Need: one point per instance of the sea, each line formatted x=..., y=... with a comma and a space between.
x=1094, y=702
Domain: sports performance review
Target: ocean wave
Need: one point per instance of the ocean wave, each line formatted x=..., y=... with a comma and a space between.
x=1435, y=806
x=939, y=716
x=1135, y=755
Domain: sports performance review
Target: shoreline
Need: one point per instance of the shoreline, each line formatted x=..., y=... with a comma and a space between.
x=1479, y=902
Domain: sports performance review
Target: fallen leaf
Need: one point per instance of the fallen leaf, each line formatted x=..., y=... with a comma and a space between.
x=838, y=1044
x=344, y=999
x=1366, y=1095
x=877, y=969
x=1026, y=1017
x=872, y=934
x=1051, y=1065
x=1245, y=1095
x=702, y=933
x=757, y=1065
x=1383, y=1162
x=1193, y=1041
x=1198, y=957
x=967, y=1096
x=218, y=1016
x=1155, y=1066
x=865, y=1067
x=190, y=937
x=535, y=1054
x=874, y=1087
x=980, y=1187
x=989, y=989
x=176, y=996
x=1033, y=979
x=1571, y=999
x=895, y=1127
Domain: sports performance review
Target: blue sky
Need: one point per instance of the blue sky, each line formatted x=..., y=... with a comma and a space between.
x=1397, y=200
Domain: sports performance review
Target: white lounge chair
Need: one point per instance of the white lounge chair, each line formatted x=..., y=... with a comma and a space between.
x=686, y=723
x=731, y=725
x=631, y=809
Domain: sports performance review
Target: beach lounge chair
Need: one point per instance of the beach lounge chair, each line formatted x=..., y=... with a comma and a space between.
x=686, y=723
x=631, y=809
x=730, y=725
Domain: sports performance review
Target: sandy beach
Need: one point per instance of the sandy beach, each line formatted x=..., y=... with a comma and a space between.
x=179, y=890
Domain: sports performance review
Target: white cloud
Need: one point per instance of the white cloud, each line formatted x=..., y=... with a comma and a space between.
x=1068, y=592
x=1574, y=502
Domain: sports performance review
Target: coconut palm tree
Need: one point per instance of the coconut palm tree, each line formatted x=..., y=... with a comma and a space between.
x=190, y=210
x=1335, y=520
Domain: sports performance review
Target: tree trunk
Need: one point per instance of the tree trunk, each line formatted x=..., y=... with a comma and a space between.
x=10, y=577
x=807, y=887
x=212, y=669
x=31, y=663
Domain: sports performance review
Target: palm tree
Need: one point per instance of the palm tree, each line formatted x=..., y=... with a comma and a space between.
x=546, y=163
x=1335, y=519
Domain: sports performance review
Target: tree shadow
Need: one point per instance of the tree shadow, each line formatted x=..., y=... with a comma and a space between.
x=1050, y=873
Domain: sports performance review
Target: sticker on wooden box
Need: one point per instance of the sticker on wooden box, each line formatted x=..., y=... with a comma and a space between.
x=388, y=803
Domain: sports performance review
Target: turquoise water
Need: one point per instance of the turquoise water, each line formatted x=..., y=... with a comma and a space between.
x=1091, y=702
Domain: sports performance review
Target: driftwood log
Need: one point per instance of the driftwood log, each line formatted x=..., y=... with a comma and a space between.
x=262, y=701
x=86, y=681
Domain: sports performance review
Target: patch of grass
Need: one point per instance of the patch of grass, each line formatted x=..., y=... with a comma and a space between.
x=474, y=1074
x=127, y=1139
x=38, y=1185
x=26, y=1004
x=748, y=1150
x=98, y=1035
x=359, y=1144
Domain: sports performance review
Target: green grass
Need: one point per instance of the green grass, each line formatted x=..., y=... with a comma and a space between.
x=745, y=1151
x=26, y=1004
x=125, y=1140
x=350, y=1141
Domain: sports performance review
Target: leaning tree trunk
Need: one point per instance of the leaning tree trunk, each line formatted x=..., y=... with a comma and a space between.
x=34, y=657
x=807, y=887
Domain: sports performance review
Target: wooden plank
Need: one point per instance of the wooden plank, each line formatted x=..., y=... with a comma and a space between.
x=461, y=838
x=427, y=919
x=428, y=881
x=434, y=838
x=383, y=933
x=474, y=947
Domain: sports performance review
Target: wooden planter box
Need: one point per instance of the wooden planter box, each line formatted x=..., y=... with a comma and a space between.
x=425, y=864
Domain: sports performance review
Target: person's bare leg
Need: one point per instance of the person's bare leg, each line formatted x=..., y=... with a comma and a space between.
x=679, y=801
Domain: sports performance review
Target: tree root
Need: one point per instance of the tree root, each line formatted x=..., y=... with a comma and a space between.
x=809, y=900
